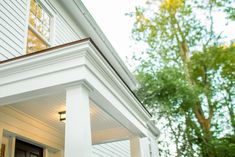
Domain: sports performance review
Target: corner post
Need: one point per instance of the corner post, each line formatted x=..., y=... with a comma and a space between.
x=135, y=147
x=12, y=143
x=154, y=147
x=45, y=152
x=78, y=142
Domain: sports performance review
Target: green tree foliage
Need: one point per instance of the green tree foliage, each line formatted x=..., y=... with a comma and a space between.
x=187, y=74
x=227, y=6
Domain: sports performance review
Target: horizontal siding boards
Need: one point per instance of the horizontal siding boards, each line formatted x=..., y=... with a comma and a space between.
x=63, y=32
x=6, y=54
x=2, y=56
x=18, y=5
x=12, y=28
x=63, y=26
x=9, y=9
x=114, y=149
x=13, y=51
x=8, y=21
x=11, y=38
x=13, y=15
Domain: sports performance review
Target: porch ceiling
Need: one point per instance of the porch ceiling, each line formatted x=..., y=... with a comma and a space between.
x=46, y=109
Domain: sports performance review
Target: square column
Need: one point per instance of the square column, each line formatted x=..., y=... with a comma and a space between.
x=12, y=144
x=135, y=147
x=154, y=147
x=78, y=142
x=45, y=152
x=141, y=147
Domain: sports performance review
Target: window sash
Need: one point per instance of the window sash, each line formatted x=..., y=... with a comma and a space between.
x=35, y=42
x=39, y=19
x=39, y=28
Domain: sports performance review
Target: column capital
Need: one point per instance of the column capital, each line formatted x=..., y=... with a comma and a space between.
x=82, y=83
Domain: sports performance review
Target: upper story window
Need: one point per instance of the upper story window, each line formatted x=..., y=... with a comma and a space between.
x=39, y=27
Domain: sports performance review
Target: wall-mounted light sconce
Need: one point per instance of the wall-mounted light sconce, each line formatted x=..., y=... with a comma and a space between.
x=62, y=116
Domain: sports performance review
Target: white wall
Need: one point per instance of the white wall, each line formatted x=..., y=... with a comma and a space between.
x=14, y=26
x=65, y=30
x=114, y=149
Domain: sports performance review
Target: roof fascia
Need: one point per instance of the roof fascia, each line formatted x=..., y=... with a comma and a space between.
x=87, y=23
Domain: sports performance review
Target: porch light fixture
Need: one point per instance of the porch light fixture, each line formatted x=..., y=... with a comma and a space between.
x=62, y=116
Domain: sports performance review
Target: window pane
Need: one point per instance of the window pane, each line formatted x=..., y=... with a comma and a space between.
x=46, y=19
x=39, y=13
x=33, y=6
x=32, y=19
x=39, y=19
x=45, y=32
x=39, y=26
x=34, y=42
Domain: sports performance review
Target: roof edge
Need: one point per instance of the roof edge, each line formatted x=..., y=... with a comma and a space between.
x=83, y=18
x=73, y=43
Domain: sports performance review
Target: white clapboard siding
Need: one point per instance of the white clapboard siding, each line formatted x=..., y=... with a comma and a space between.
x=2, y=56
x=13, y=24
x=114, y=149
x=13, y=18
x=63, y=32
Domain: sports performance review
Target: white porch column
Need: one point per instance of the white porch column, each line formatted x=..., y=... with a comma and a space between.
x=78, y=126
x=135, y=147
x=12, y=143
x=154, y=147
x=45, y=152
x=141, y=147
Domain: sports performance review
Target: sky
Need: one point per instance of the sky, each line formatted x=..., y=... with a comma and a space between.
x=117, y=26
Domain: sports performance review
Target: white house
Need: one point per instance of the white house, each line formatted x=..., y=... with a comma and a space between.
x=64, y=91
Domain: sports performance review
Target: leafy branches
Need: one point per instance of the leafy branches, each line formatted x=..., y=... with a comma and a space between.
x=187, y=75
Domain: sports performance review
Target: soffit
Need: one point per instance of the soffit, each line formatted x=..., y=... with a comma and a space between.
x=46, y=110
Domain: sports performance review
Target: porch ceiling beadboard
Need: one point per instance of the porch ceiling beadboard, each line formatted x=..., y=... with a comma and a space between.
x=46, y=109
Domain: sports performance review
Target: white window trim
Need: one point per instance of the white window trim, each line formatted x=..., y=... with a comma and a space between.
x=26, y=28
x=44, y=4
x=39, y=35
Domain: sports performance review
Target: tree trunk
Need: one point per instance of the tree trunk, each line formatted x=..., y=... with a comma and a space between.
x=204, y=122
